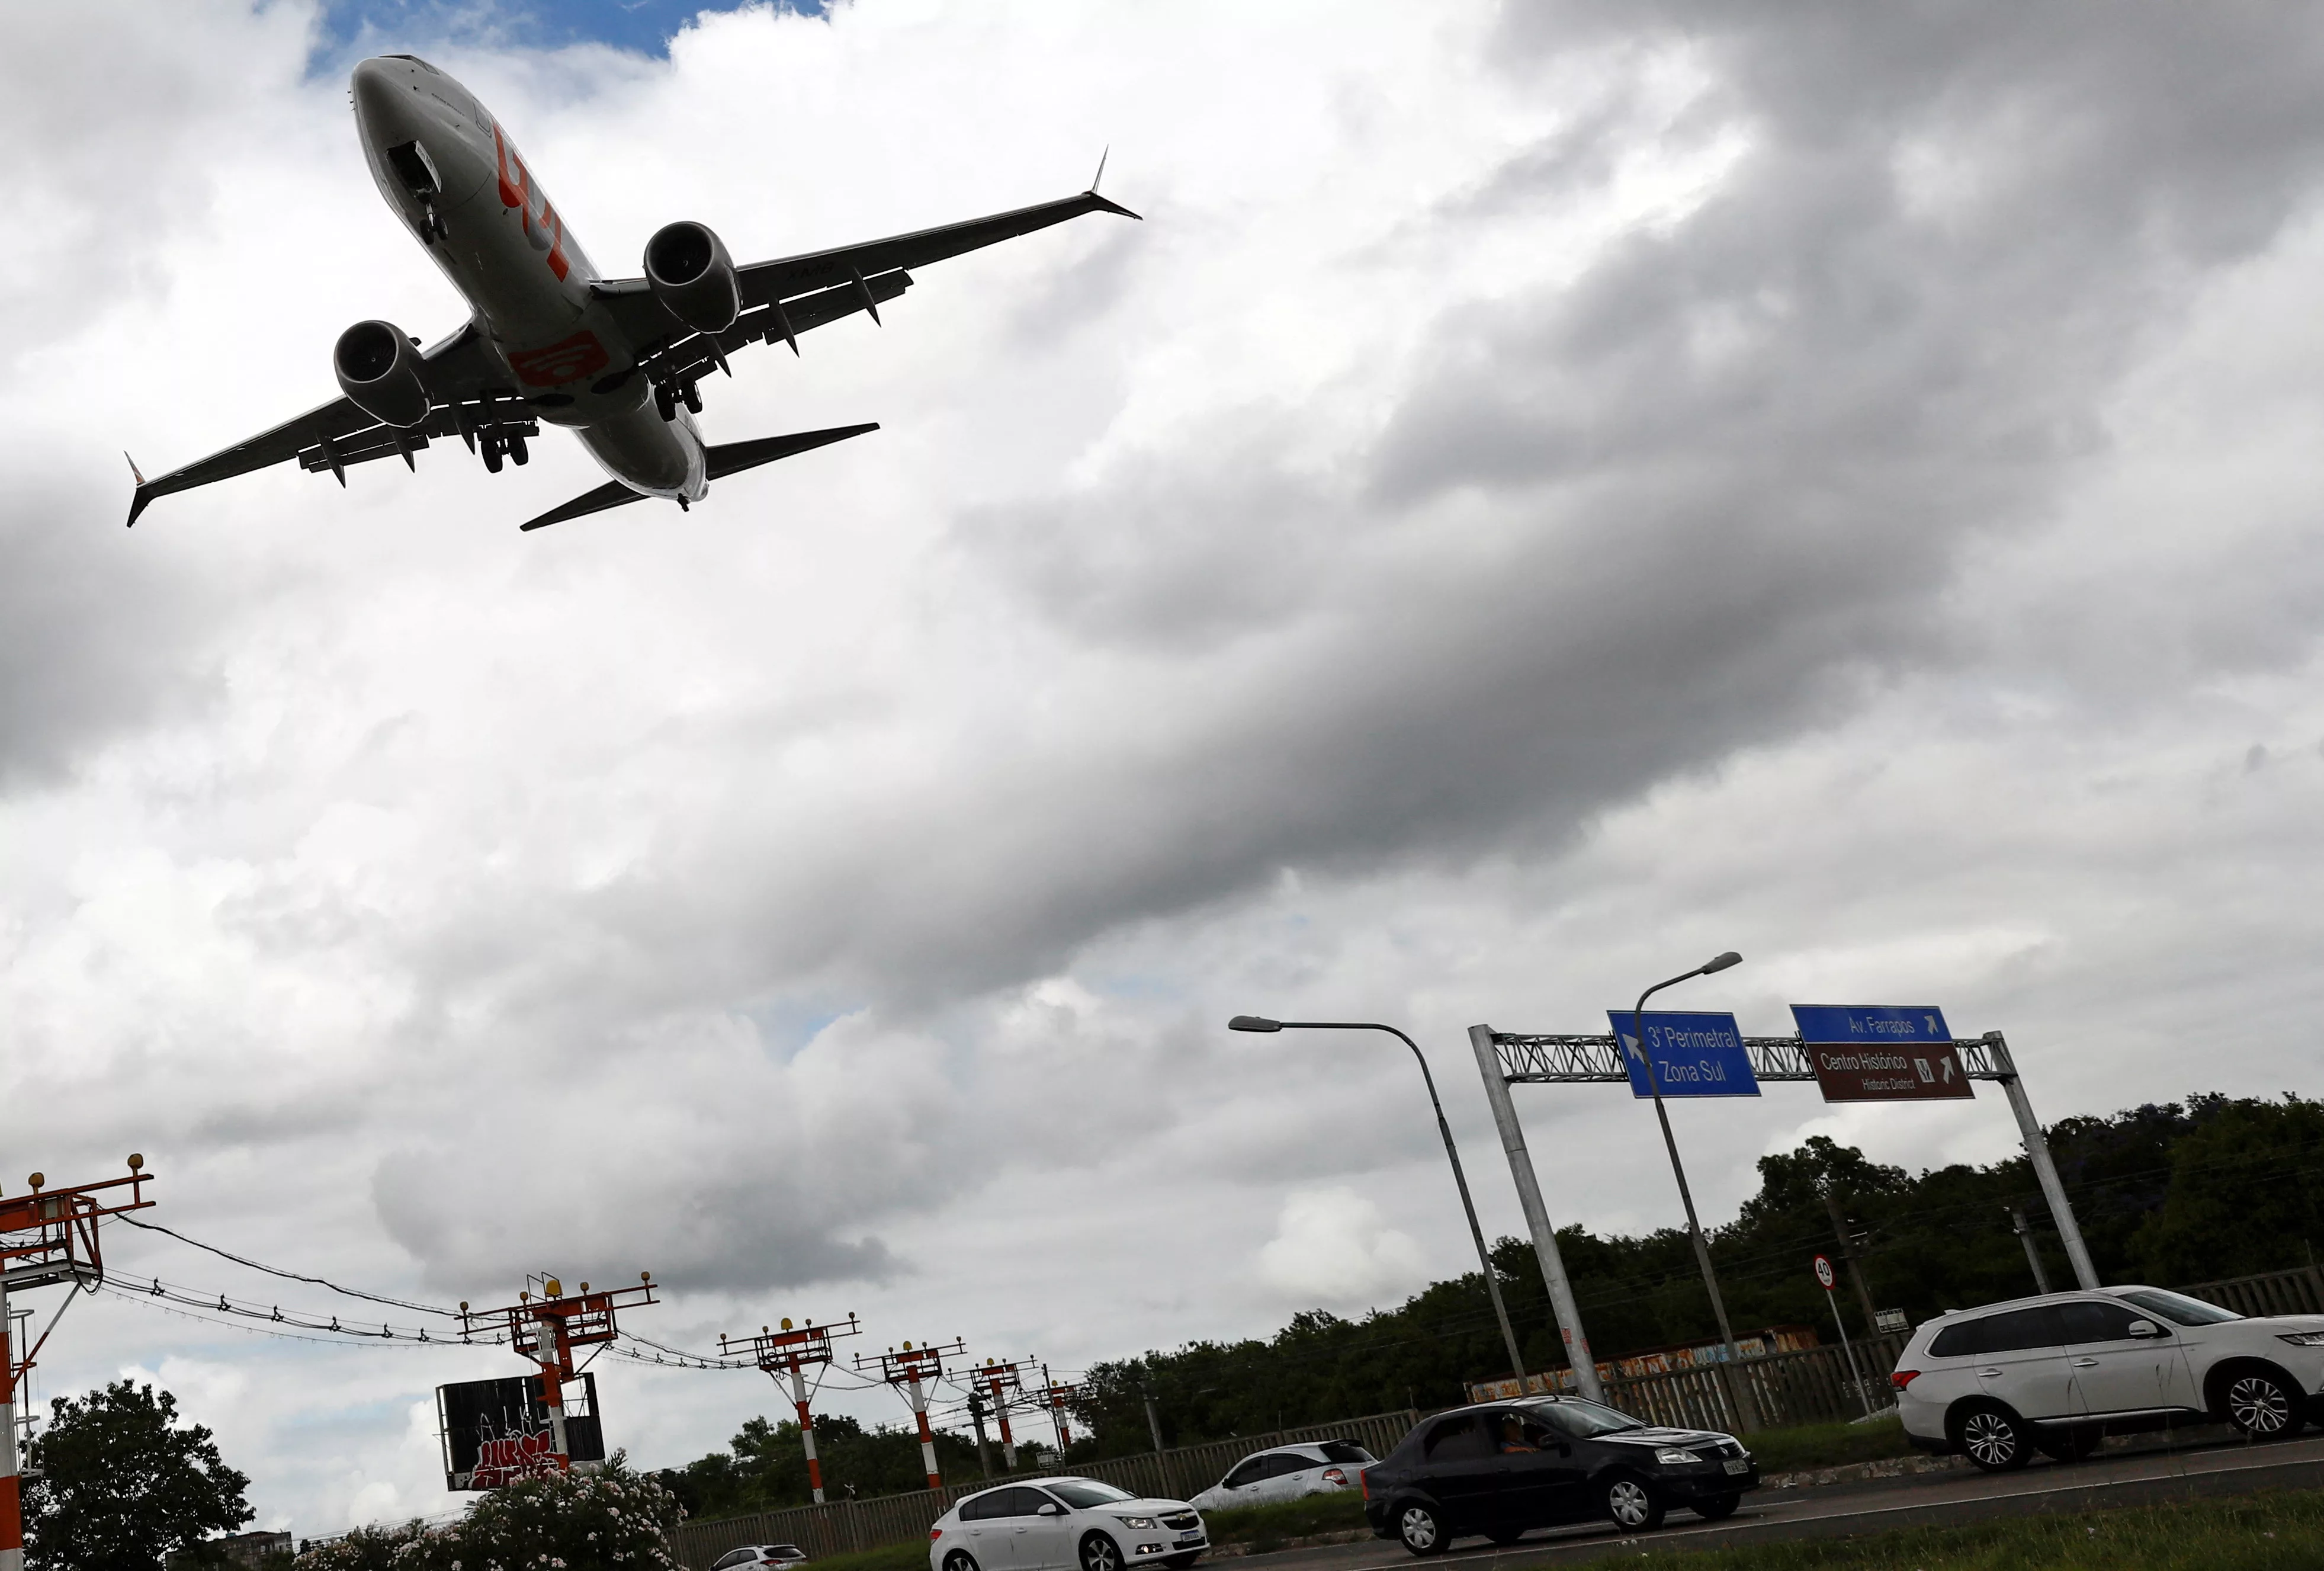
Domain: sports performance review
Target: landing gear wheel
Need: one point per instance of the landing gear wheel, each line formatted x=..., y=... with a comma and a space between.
x=2067, y=1445
x=1994, y=1440
x=1421, y=1530
x=665, y=401
x=1505, y=1536
x=2262, y=1405
x=960, y=1560
x=491, y=448
x=1100, y=1553
x=1717, y=1508
x=1630, y=1503
x=693, y=398
x=516, y=450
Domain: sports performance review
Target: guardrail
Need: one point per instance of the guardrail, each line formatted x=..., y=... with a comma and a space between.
x=844, y=1526
x=2292, y=1292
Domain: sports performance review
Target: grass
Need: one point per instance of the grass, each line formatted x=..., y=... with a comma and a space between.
x=911, y=1556
x=2262, y=1533
x=1827, y=1444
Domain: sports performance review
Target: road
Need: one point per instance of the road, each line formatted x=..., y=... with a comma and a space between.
x=1839, y=1510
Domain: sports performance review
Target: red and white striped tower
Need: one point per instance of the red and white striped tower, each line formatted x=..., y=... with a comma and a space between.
x=1058, y=1395
x=794, y=1353
x=12, y=1499
x=548, y=1329
x=907, y=1371
x=1000, y=1378
x=46, y=1237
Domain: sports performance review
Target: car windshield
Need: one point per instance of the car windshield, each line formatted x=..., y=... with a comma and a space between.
x=1581, y=1418
x=2177, y=1307
x=1085, y=1493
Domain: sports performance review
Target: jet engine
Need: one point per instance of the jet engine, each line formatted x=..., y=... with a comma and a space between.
x=689, y=272
x=378, y=370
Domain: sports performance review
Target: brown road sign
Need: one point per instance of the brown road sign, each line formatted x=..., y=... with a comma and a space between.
x=1886, y=1072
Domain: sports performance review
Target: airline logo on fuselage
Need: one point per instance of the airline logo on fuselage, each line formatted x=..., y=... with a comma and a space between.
x=566, y=360
x=542, y=226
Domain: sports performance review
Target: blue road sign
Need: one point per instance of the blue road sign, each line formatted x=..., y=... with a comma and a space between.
x=1879, y=1022
x=1695, y=1055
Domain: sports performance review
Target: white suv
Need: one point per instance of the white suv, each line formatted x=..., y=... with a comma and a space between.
x=2056, y=1373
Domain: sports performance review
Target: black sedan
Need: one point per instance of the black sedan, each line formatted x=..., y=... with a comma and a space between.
x=1502, y=1467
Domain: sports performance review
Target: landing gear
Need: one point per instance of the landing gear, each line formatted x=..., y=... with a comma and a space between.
x=489, y=445
x=665, y=401
x=516, y=449
x=693, y=399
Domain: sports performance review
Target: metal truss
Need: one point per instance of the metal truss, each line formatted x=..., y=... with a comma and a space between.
x=1531, y=1060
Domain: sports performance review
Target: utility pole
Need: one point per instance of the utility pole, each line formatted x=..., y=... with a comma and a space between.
x=2033, y=1255
x=795, y=1353
x=1852, y=1249
x=983, y=1448
x=911, y=1371
x=546, y=1330
x=1153, y=1418
x=46, y=1237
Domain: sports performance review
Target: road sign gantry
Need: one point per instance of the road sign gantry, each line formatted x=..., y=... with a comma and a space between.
x=794, y=1351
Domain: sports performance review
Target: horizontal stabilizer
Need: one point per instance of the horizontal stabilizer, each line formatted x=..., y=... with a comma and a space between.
x=733, y=457
x=612, y=494
x=724, y=459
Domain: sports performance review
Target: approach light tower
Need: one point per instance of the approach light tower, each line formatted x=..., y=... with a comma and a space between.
x=797, y=1352
x=1000, y=1379
x=1057, y=1396
x=548, y=1329
x=911, y=1371
x=46, y=1237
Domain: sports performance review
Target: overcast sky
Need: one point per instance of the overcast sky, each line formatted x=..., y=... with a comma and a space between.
x=1547, y=494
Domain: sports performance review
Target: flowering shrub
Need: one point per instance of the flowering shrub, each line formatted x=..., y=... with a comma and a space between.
x=612, y=1520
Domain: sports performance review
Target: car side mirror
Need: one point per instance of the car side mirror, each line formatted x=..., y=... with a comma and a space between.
x=2145, y=1328
x=1051, y=1509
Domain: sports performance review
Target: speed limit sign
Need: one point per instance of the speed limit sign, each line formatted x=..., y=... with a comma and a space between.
x=1825, y=1273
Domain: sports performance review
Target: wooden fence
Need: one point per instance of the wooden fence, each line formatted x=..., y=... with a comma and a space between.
x=1813, y=1386
x=847, y=1525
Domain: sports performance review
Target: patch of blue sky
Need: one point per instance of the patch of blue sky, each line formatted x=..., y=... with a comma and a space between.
x=352, y=28
x=787, y=1025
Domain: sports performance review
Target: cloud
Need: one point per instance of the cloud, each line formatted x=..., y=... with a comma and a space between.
x=1332, y=1245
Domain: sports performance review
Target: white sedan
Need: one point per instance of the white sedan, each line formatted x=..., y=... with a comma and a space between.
x=1064, y=1524
x=1287, y=1473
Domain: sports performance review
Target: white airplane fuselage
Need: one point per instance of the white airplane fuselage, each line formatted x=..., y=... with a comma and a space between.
x=494, y=231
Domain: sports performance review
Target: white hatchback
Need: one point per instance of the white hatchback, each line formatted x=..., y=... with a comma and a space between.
x=1064, y=1524
x=1288, y=1472
x=2054, y=1373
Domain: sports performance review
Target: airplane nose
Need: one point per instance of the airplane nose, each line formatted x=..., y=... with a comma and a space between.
x=382, y=88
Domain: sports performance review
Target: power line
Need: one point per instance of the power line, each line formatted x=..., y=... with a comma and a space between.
x=295, y=1276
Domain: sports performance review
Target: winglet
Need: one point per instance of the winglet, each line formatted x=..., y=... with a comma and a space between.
x=139, y=499
x=1098, y=177
x=1103, y=204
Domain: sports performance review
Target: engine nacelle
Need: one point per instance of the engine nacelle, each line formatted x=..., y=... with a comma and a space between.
x=689, y=272
x=378, y=370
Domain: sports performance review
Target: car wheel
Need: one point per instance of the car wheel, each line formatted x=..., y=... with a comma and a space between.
x=1630, y=1503
x=1100, y=1553
x=1421, y=1530
x=2260, y=1404
x=1993, y=1439
x=1717, y=1507
x=960, y=1560
x=2067, y=1445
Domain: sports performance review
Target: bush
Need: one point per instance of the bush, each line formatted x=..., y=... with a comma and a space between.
x=612, y=1520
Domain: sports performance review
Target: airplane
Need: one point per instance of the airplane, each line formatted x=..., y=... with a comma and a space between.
x=617, y=362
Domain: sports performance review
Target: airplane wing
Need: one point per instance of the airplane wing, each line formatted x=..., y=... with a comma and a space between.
x=784, y=298
x=461, y=378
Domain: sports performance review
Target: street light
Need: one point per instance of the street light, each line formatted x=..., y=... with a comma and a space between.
x=1746, y=1409
x=1251, y=1023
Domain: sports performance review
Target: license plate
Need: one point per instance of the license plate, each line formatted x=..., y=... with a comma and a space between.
x=1739, y=1464
x=1196, y=1536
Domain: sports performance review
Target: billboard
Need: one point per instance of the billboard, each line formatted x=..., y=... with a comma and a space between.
x=496, y=1431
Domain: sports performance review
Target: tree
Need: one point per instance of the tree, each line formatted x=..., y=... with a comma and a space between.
x=121, y=1484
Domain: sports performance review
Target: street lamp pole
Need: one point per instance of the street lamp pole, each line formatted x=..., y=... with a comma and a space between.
x=1251, y=1023
x=1746, y=1409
